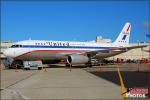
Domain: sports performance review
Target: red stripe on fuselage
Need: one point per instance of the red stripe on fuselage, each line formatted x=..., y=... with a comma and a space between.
x=118, y=50
x=52, y=51
x=128, y=28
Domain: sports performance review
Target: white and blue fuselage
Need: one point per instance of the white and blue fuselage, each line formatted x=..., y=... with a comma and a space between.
x=36, y=49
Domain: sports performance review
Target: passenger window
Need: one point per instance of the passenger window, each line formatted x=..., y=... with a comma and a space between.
x=16, y=46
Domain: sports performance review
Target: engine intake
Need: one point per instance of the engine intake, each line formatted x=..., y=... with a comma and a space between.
x=77, y=59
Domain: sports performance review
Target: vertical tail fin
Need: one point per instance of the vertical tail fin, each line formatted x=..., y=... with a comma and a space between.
x=123, y=38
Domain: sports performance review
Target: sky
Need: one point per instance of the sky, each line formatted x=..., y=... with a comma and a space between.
x=73, y=20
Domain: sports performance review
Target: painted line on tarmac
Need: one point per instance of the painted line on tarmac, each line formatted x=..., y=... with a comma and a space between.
x=123, y=89
x=19, y=81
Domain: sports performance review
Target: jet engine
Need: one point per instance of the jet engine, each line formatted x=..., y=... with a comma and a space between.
x=77, y=59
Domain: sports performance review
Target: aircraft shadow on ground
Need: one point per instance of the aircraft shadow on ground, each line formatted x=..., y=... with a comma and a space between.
x=63, y=66
x=130, y=79
x=54, y=66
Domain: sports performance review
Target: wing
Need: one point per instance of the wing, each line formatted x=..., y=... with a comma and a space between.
x=119, y=49
x=134, y=47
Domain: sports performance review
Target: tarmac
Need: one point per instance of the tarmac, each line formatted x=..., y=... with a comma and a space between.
x=99, y=82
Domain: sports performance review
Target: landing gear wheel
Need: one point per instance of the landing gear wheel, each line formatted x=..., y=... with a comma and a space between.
x=67, y=65
x=89, y=65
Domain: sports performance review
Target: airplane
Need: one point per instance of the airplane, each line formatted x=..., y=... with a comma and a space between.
x=72, y=52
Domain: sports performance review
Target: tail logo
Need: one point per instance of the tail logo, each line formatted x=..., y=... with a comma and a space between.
x=124, y=37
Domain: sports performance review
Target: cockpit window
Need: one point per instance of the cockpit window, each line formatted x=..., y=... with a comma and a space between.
x=12, y=46
x=16, y=46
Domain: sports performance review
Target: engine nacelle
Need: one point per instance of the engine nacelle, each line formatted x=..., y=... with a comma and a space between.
x=77, y=59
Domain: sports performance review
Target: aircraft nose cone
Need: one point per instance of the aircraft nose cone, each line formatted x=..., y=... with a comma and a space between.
x=8, y=53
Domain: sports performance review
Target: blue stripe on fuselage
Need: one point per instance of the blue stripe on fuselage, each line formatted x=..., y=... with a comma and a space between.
x=80, y=47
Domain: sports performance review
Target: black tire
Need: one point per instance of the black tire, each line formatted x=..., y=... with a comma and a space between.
x=39, y=68
x=10, y=67
x=67, y=65
x=27, y=68
x=89, y=65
